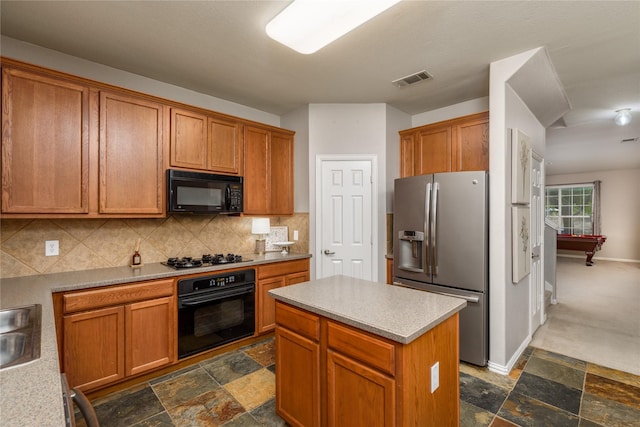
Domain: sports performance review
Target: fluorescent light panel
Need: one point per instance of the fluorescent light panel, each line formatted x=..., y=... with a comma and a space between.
x=308, y=25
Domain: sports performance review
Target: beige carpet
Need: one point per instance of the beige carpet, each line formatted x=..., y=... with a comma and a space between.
x=597, y=317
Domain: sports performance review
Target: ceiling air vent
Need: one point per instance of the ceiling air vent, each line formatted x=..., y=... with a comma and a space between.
x=629, y=140
x=412, y=79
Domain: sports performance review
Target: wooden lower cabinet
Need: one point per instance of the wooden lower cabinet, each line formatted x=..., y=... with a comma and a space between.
x=106, y=338
x=94, y=347
x=148, y=345
x=332, y=374
x=302, y=357
x=273, y=276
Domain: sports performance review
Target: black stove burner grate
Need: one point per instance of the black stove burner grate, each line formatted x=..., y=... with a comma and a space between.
x=207, y=259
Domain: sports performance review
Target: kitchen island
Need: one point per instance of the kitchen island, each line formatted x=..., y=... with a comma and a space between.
x=358, y=353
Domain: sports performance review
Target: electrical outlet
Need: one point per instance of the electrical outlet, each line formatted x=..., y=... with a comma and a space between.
x=52, y=248
x=435, y=377
x=295, y=234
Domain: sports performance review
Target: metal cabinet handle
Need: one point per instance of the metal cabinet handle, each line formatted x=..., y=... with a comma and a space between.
x=328, y=252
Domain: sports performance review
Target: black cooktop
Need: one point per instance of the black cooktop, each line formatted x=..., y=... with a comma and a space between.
x=205, y=260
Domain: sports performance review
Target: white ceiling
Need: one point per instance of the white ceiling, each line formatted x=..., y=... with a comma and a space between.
x=220, y=48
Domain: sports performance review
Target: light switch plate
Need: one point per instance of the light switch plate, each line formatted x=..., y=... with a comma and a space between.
x=295, y=235
x=52, y=248
x=435, y=377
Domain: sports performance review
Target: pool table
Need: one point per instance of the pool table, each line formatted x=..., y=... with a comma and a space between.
x=589, y=243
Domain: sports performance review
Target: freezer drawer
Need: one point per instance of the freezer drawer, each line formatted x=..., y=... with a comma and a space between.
x=474, y=329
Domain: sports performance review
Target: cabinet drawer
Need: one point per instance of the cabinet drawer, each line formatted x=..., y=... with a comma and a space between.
x=116, y=295
x=301, y=322
x=374, y=352
x=282, y=268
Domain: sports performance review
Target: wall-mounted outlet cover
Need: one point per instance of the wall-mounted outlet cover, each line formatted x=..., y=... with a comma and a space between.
x=295, y=234
x=435, y=377
x=52, y=248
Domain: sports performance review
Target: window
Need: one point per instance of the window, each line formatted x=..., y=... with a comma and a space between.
x=571, y=207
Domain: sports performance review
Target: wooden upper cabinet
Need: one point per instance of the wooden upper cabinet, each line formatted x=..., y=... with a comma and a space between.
x=45, y=144
x=131, y=173
x=225, y=146
x=268, y=172
x=471, y=145
x=460, y=144
x=281, y=171
x=188, y=139
x=433, y=150
x=205, y=143
x=256, y=191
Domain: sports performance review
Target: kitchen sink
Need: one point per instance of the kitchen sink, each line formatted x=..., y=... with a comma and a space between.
x=19, y=335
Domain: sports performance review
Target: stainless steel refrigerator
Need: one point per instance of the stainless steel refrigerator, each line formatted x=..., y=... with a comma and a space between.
x=440, y=226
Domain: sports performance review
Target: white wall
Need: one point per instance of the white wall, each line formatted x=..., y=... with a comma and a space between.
x=473, y=106
x=350, y=129
x=620, y=207
x=508, y=302
x=48, y=58
x=298, y=120
x=396, y=121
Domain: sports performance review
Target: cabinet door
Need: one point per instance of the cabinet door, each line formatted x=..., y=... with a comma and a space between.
x=256, y=186
x=131, y=147
x=433, y=151
x=188, y=139
x=225, y=146
x=407, y=145
x=266, y=304
x=347, y=378
x=94, y=347
x=298, y=378
x=150, y=334
x=471, y=146
x=281, y=174
x=292, y=279
x=45, y=144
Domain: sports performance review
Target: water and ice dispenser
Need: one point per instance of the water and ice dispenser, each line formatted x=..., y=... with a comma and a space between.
x=410, y=251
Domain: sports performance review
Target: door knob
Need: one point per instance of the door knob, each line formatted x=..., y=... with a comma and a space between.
x=534, y=256
x=328, y=252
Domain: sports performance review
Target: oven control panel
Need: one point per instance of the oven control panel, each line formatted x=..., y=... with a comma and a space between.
x=215, y=281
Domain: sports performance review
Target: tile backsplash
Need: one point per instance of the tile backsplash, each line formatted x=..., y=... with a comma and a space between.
x=97, y=243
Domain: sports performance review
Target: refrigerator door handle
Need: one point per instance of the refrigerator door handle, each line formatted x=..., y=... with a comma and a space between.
x=474, y=300
x=434, y=228
x=427, y=240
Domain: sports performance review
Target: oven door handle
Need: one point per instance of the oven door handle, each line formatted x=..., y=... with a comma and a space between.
x=214, y=296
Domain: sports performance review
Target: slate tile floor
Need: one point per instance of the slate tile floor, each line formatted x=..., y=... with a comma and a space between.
x=237, y=389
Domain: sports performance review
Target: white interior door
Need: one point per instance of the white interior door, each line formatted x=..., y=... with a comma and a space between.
x=536, y=295
x=345, y=219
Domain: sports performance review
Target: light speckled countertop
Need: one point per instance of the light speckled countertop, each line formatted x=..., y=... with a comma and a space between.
x=30, y=394
x=394, y=312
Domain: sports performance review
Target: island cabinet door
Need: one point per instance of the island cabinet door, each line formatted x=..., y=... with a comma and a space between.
x=297, y=379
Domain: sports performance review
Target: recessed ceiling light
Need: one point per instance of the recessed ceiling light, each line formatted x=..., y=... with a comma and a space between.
x=308, y=25
x=623, y=117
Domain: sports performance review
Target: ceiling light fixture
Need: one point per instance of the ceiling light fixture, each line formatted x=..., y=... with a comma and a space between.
x=623, y=117
x=308, y=25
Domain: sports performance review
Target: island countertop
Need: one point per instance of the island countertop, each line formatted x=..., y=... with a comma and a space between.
x=397, y=313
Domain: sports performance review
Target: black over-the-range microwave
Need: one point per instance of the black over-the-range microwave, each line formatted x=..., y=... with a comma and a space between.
x=194, y=192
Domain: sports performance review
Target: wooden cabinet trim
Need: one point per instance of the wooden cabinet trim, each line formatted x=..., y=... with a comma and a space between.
x=115, y=295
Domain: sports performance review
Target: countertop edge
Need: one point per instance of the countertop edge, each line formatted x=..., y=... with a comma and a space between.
x=424, y=325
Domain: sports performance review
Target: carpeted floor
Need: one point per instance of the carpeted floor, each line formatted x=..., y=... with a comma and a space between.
x=597, y=317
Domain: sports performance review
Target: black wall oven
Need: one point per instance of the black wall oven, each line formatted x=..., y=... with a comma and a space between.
x=215, y=309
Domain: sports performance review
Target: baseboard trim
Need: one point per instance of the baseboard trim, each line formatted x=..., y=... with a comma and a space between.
x=637, y=261
x=505, y=369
